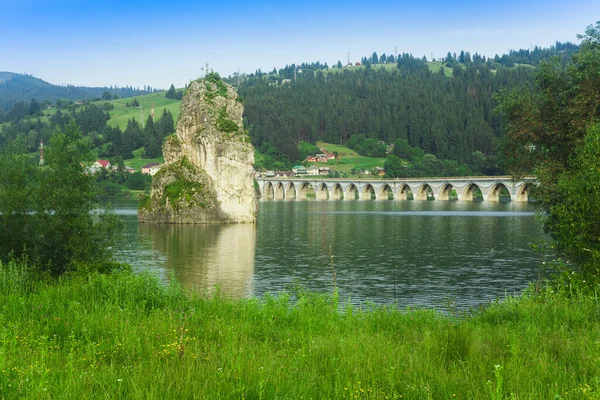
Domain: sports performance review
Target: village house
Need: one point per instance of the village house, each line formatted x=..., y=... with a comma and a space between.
x=312, y=170
x=283, y=174
x=151, y=168
x=324, y=171
x=99, y=165
x=299, y=170
x=311, y=159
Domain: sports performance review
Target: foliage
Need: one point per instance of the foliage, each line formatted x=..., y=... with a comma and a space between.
x=181, y=189
x=225, y=124
x=307, y=149
x=98, y=336
x=367, y=146
x=552, y=132
x=447, y=117
x=138, y=181
x=54, y=224
x=393, y=167
x=214, y=86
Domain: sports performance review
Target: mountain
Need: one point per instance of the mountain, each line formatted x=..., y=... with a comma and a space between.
x=22, y=87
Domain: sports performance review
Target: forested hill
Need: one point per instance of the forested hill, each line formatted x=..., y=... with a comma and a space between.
x=15, y=88
x=445, y=108
x=450, y=117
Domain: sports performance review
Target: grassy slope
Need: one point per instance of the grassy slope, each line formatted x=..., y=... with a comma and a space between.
x=138, y=162
x=127, y=336
x=433, y=66
x=121, y=114
x=349, y=159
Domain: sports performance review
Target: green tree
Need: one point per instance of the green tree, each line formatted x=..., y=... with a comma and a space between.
x=171, y=92
x=394, y=168
x=60, y=230
x=551, y=131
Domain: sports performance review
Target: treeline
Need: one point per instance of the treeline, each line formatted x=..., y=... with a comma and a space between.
x=15, y=88
x=27, y=126
x=451, y=118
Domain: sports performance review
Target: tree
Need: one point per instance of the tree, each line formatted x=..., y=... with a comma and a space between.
x=551, y=129
x=54, y=223
x=393, y=167
x=171, y=92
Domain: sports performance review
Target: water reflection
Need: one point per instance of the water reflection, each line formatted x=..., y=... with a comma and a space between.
x=409, y=252
x=202, y=256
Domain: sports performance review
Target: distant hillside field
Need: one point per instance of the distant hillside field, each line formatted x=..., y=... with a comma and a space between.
x=15, y=88
x=121, y=113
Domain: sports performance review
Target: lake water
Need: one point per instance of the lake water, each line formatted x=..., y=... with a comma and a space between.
x=423, y=253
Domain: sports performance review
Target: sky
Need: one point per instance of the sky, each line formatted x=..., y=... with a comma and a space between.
x=159, y=43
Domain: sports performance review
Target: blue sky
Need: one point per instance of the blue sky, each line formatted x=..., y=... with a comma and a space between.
x=137, y=43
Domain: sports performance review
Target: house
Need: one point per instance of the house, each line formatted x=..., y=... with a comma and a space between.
x=312, y=170
x=311, y=159
x=330, y=156
x=324, y=171
x=299, y=170
x=283, y=174
x=151, y=168
x=380, y=171
x=98, y=164
x=130, y=170
x=322, y=157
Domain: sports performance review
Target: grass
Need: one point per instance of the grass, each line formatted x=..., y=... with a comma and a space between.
x=349, y=159
x=138, y=162
x=435, y=67
x=121, y=113
x=129, y=336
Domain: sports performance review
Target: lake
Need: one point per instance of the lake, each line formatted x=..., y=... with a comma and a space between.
x=417, y=253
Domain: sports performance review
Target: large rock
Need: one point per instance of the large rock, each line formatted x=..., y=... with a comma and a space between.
x=208, y=172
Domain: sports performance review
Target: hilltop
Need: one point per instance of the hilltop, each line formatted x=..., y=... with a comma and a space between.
x=15, y=88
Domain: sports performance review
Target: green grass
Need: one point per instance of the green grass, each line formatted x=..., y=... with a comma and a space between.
x=121, y=114
x=138, y=162
x=349, y=159
x=435, y=67
x=129, y=336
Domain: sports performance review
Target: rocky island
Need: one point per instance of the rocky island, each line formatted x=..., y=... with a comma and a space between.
x=208, y=173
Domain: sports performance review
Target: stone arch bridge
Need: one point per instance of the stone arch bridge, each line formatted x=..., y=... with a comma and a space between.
x=460, y=188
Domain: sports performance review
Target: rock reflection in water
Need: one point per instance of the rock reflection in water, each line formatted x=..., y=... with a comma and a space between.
x=204, y=256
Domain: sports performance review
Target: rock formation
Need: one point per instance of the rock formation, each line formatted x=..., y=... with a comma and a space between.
x=208, y=172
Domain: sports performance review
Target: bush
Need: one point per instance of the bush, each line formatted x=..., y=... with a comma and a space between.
x=49, y=214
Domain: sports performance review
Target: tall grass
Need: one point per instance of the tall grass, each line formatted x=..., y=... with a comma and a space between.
x=129, y=336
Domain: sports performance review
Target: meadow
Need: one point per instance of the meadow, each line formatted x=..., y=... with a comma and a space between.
x=126, y=335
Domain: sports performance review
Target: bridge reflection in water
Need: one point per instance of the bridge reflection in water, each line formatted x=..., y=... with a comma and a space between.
x=459, y=188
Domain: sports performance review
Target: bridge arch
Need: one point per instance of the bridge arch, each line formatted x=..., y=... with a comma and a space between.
x=337, y=193
x=470, y=190
x=424, y=192
x=269, y=193
x=305, y=188
x=322, y=191
x=385, y=192
x=495, y=190
x=368, y=192
x=352, y=192
x=404, y=193
x=446, y=192
x=290, y=191
x=279, y=191
x=523, y=192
